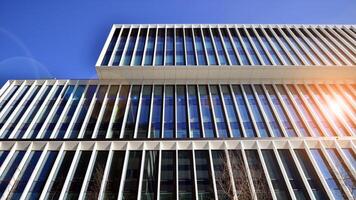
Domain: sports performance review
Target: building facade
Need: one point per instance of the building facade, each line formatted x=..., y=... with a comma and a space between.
x=190, y=112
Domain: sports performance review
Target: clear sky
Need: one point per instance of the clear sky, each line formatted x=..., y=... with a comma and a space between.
x=62, y=39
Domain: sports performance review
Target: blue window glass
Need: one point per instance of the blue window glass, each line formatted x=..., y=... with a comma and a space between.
x=40, y=180
x=275, y=175
x=295, y=116
x=45, y=112
x=186, y=175
x=268, y=46
x=294, y=176
x=37, y=105
x=119, y=115
x=169, y=125
x=130, y=47
x=299, y=48
x=160, y=47
x=315, y=109
x=239, y=47
x=20, y=112
x=8, y=96
x=99, y=98
x=20, y=184
x=317, y=47
x=142, y=130
x=222, y=178
x=195, y=125
x=14, y=103
x=182, y=115
x=76, y=182
x=58, y=111
x=56, y=185
x=156, y=121
x=288, y=47
x=268, y=111
x=140, y=47
x=3, y=155
x=245, y=116
x=132, y=112
x=209, y=127
x=328, y=174
x=112, y=186
x=310, y=174
x=150, y=47
x=170, y=47
x=68, y=116
x=120, y=46
x=249, y=47
x=10, y=169
x=281, y=112
x=229, y=47
x=110, y=48
x=219, y=112
x=347, y=43
x=180, y=52
x=78, y=122
x=219, y=47
x=189, y=46
x=257, y=174
x=346, y=174
x=350, y=154
x=261, y=124
x=168, y=175
x=259, y=47
x=105, y=120
x=199, y=45
x=209, y=47
x=204, y=178
x=306, y=115
x=96, y=177
x=231, y=111
x=150, y=176
x=279, y=48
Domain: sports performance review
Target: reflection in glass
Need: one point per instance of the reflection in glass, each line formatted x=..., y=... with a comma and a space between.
x=168, y=175
x=150, y=176
x=204, y=178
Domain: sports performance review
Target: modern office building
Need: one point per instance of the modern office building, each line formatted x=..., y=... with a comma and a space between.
x=190, y=112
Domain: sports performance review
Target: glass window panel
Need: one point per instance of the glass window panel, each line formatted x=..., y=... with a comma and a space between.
x=145, y=112
x=281, y=112
x=279, y=47
x=350, y=154
x=180, y=53
x=132, y=175
x=170, y=47
x=239, y=47
x=168, y=175
x=120, y=111
x=288, y=47
x=329, y=176
x=219, y=47
x=231, y=111
x=156, y=121
x=120, y=46
x=258, y=175
x=261, y=124
x=140, y=47
x=269, y=47
x=99, y=98
x=189, y=46
x=195, y=125
x=150, y=46
x=209, y=127
x=169, y=121
x=200, y=47
x=209, y=47
x=8, y=96
x=182, y=123
x=299, y=48
x=249, y=47
x=204, y=177
x=311, y=175
x=219, y=112
x=160, y=47
x=275, y=175
x=96, y=177
x=229, y=47
x=132, y=112
x=150, y=176
x=3, y=155
x=185, y=175
x=114, y=178
x=110, y=48
x=245, y=115
x=259, y=47
x=222, y=175
x=130, y=46
x=10, y=169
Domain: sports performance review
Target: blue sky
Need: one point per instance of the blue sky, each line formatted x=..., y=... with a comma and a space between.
x=62, y=39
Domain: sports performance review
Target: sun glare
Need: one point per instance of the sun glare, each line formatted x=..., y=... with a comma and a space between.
x=335, y=107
